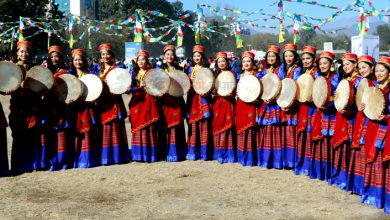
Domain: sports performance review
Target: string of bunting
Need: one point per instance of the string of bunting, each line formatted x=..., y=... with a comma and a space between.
x=139, y=24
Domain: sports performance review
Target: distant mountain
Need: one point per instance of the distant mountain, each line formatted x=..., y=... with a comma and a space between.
x=351, y=25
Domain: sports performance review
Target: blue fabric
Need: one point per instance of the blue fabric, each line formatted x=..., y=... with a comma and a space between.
x=303, y=166
x=270, y=158
x=246, y=158
x=115, y=154
x=339, y=178
x=387, y=203
x=175, y=152
x=144, y=154
x=320, y=170
x=374, y=196
x=355, y=184
x=290, y=155
x=85, y=159
x=196, y=154
x=61, y=161
x=224, y=155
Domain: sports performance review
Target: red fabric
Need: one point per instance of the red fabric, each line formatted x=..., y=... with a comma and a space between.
x=246, y=116
x=373, y=128
x=172, y=109
x=341, y=130
x=302, y=117
x=196, y=111
x=223, y=114
x=317, y=126
x=386, y=151
x=357, y=130
x=59, y=73
x=224, y=140
x=109, y=108
x=143, y=110
x=83, y=120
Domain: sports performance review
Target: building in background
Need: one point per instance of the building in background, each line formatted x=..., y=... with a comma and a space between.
x=88, y=8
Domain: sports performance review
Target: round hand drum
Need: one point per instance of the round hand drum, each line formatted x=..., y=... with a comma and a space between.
x=156, y=82
x=11, y=76
x=39, y=79
x=249, y=88
x=118, y=81
x=288, y=94
x=93, y=87
x=180, y=83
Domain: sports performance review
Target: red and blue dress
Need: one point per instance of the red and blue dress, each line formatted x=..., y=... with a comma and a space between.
x=357, y=161
x=58, y=130
x=113, y=139
x=224, y=129
x=304, y=129
x=289, y=122
x=86, y=146
x=374, y=192
x=322, y=132
x=247, y=129
x=173, y=132
x=269, y=149
x=342, y=139
x=200, y=143
x=28, y=154
x=4, y=167
x=144, y=116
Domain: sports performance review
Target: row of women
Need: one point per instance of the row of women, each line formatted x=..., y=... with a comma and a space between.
x=342, y=147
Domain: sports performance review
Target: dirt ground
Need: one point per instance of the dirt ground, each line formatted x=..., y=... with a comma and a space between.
x=185, y=190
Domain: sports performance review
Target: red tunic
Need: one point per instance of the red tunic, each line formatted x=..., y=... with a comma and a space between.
x=110, y=106
x=246, y=114
x=142, y=107
x=303, y=114
x=343, y=130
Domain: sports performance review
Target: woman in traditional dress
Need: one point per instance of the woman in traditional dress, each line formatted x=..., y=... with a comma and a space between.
x=58, y=130
x=144, y=114
x=323, y=123
x=28, y=154
x=4, y=167
x=357, y=161
x=86, y=148
x=199, y=109
x=383, y=68
x=305, y=117
x=247, y=128
x=269, y=149
x=174, y=113
x=112, y=112
x=292, y=66
x=224, y=118
x=345, y=120
x=374, y=174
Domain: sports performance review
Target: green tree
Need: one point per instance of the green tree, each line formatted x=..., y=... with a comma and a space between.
x=383, y=31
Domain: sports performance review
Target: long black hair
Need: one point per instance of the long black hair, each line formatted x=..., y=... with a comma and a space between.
x=314, y=62
x=112, y=60
x=175, y=61
x=330, y=68
x=217, y=69
x=297, y=61
x=137, y=68
x=342, y=73
x=371, y=65
x=204, y=61
x=50, y=65
x=85, y=65
x=278, y=60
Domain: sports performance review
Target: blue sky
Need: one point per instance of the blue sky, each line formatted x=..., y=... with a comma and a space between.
x=347, y=17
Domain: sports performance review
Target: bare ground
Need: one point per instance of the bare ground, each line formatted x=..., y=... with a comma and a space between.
x=185, y=190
